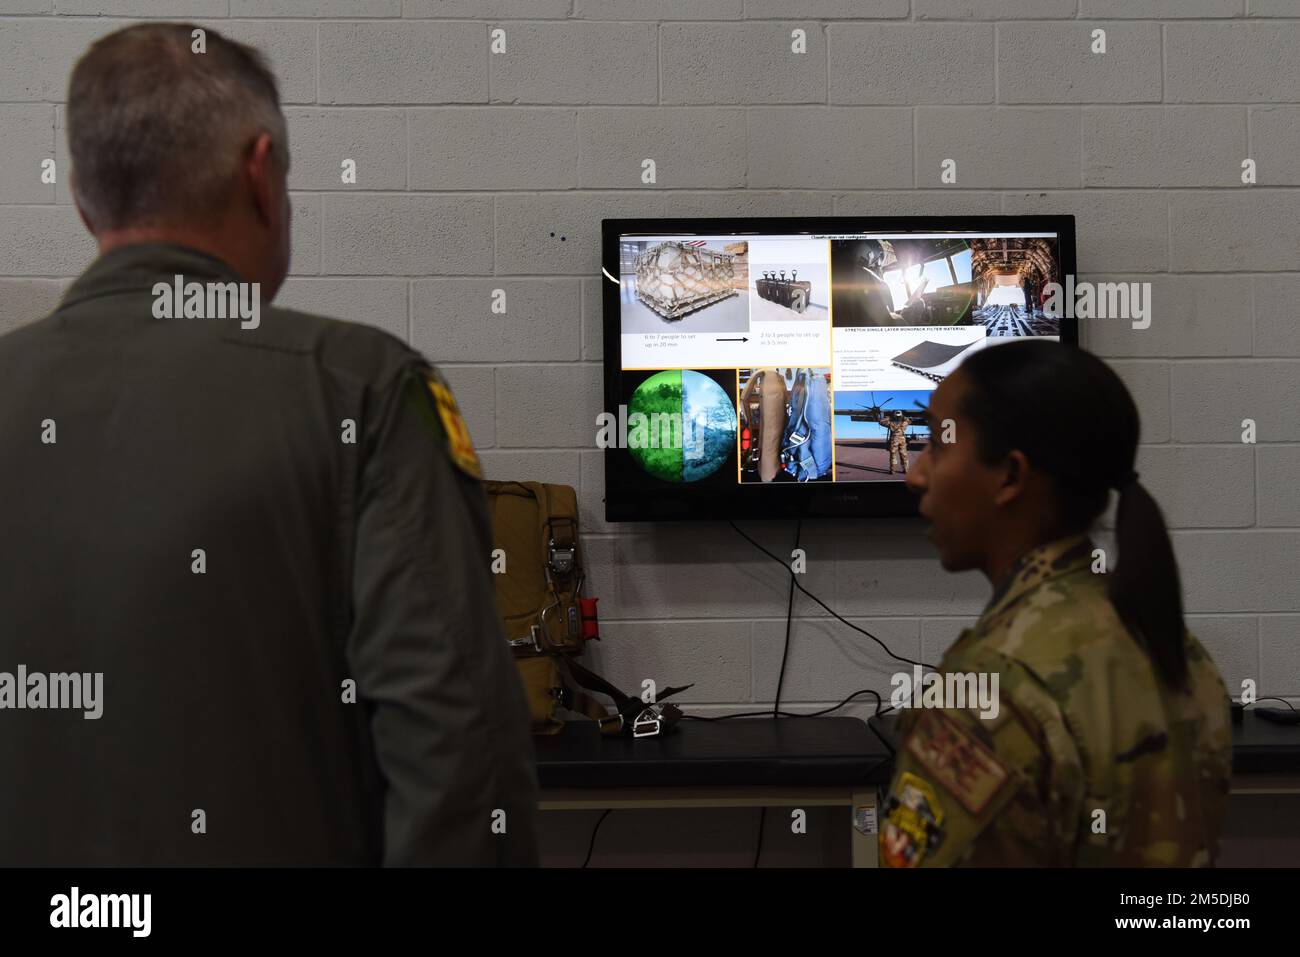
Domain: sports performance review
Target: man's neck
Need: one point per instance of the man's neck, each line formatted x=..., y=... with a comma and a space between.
x=203, y=241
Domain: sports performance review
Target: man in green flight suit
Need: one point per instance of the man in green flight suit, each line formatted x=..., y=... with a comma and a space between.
x=266, y=529
x=1111, y=741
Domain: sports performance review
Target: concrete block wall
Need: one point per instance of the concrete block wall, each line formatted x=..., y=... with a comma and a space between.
x=480, y=170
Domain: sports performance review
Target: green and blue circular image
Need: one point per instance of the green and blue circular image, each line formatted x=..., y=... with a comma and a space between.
x=690, y=424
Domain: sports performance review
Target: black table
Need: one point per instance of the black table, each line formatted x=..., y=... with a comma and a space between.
x=1265, y=756
x=797, y=762
x=746, y=762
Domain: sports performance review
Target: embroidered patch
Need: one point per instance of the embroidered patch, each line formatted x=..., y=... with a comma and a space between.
x=913, y=822
x=459, y=446
x=959, y=762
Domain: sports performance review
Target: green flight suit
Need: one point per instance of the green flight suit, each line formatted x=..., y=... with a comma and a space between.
x=272, y=541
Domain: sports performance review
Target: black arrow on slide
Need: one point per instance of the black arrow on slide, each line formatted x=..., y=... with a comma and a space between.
x=741, y=339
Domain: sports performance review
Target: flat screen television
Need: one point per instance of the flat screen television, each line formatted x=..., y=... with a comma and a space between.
x=776, y=367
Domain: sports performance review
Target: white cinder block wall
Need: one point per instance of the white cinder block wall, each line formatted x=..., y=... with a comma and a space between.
x=480, y=170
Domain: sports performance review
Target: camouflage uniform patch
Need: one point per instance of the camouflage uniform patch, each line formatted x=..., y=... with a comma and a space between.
x=958, y=762
x=913, y=823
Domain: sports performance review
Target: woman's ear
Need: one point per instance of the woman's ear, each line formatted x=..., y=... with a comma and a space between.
x=1014, y=479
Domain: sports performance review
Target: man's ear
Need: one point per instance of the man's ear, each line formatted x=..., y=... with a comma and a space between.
x=1015, y=477
x=76, y=201
x=263, y=172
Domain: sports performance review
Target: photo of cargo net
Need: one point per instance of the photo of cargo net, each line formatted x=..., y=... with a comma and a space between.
x=678, y=278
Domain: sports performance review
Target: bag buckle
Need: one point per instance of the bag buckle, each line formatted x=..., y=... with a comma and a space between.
x=529, y=640
x=562, y=559
x=655, y=720
x=645, y=727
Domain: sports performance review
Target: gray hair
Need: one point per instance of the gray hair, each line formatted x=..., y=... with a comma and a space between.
x=157, y=131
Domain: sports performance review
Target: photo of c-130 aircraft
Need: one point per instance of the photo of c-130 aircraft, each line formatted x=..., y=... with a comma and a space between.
x=876, y=439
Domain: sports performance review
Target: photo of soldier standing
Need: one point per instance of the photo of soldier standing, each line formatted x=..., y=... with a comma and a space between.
x=897, y=424
x=1111, y=745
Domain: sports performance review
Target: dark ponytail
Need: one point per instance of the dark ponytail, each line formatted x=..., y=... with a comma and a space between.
x=1144, y=586
x=1074, y=420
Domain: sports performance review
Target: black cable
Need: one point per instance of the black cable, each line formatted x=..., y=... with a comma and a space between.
x=785, y=656
x=880, y=737
x=792, y=714
x=780, y=680
x=829, y=610
x=880, y=710
x=1275, y=698
x=879, y=764
x=879, y=704
x=789, y=620
x=594, y=831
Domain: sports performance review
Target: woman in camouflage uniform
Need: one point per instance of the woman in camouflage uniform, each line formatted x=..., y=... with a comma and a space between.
x=1111, y=744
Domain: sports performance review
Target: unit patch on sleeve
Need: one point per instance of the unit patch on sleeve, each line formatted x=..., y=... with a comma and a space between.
x=958, y=761
x=913, y=822
x=459, y=446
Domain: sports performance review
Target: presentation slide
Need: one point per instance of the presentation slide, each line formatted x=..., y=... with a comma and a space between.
x=814, y=355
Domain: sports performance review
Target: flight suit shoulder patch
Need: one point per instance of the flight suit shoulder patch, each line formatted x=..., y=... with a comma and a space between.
x=957, y=760
x=459, y=446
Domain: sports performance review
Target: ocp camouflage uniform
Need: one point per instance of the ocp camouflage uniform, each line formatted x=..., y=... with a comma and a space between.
x=1090, y=760
x=897, y=442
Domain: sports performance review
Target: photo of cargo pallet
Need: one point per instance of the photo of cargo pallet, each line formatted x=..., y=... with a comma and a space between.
x=678, y=278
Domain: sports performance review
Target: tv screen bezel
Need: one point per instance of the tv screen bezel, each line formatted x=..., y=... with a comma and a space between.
x=779, y=500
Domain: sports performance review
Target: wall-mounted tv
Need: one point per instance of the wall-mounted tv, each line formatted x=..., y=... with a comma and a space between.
x=777, y=367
